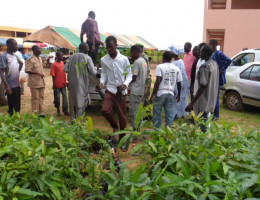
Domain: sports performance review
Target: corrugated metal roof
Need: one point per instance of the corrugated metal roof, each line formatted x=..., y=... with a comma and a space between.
x=72, y=36
x=145, y=41
x=138, y=40
x=125, y=37
x=119, y=42
x=121, y=39
x=69, y=35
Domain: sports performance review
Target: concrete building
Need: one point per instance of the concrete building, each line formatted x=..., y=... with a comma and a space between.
x=234, y=23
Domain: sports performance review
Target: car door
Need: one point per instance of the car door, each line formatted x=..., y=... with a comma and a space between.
x=249, y=83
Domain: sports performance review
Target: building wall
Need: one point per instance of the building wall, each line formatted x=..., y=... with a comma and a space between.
x=4, y=33
x=241, y=27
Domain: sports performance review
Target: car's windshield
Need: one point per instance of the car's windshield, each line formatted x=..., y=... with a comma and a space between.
x=242, y=59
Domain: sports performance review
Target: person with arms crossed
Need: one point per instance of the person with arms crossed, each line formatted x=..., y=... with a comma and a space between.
x=139, y=71
x=223, y=62
x=208, y=78
x=90, y=28
x=167, y=76
x=59, y=84
x=116, y=75
x=36, y=81
x=79, y=67
x=11, y=66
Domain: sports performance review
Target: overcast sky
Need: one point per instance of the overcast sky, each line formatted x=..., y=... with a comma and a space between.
x=161, y=22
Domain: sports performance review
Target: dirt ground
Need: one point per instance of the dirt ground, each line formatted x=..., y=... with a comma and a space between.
x=250, y=115
x=92, y=111
x=248, y=119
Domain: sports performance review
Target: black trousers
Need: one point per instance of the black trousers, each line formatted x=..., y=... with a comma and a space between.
x=14, y=100
x=94, y=54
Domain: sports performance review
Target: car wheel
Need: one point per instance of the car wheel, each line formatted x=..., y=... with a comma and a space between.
x=3, y=95
x=234, y=101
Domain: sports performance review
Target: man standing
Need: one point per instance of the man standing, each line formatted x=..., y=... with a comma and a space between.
x=59, y=84
x=11, y=66
x=139, y=70
x=36, y=81
x=208, y=78
x=90, y=28
x=188, y=58
x=79, y=67
x=194, y=86
x=167, y=75
x=148, y=81
x=51, y=57
x=116, y=75
x=223, y=62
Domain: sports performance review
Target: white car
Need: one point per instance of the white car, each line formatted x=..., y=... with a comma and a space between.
x=243, y=83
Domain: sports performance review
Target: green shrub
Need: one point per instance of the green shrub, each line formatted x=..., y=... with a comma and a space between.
x=48, y=159
x=188, y=164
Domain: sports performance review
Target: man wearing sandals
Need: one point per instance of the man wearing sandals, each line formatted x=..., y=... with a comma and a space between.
x=116, y=75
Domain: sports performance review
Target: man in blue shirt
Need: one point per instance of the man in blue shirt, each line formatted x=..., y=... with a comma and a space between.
x=223, y=62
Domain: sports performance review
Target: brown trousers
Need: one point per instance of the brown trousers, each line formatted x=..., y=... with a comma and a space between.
x=109, y=102
x=37, y=99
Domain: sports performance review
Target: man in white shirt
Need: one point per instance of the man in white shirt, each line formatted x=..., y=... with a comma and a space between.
x=116, y=75
x=51, y=57
x=167, y=75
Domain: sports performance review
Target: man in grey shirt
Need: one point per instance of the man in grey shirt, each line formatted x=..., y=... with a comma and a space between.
x=208, y=79
x=139, y=70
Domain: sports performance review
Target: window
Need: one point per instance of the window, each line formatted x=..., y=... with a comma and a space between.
x=252, y=73
x=245, y=74
x=255, y=73
x=20, y=34
x=217, y=4
x=242, y=59
x=245, y=4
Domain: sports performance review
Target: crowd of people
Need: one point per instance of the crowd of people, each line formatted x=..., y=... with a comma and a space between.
x=199, y=75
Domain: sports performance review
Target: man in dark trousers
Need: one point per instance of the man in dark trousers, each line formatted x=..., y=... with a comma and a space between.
x=205, y=99
x=11, y=66
x=116, y=75
x=90, y=28
x=223, y=62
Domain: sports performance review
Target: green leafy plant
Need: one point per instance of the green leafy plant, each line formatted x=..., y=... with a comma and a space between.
x=189, y=164
x=47, y=159
x=101, y=53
